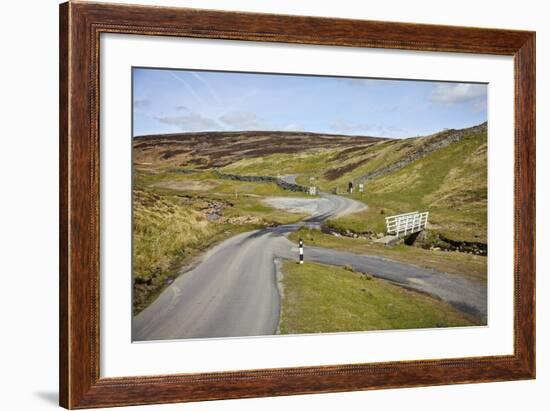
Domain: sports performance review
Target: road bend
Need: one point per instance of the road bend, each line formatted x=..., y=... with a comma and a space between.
x=232, y=291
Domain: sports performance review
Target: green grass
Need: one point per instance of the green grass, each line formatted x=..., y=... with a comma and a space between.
x=369, y=221
x=320, y=298
x=208, y=184
x=450, y=183
x=305, y=163
x=163, y=230
x=315, y=163
x=241, y=198
x=170, y=226
x=374, y=157
x=468, y=265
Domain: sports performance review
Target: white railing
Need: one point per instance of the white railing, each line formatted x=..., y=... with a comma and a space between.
x=408, y=223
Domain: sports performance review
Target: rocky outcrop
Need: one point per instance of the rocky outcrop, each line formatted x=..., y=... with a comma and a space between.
x=424, y=239
x=285, y=185
x=445, y=139
x=436, y=241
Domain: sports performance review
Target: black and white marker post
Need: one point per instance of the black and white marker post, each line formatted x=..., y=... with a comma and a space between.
x=301, y=251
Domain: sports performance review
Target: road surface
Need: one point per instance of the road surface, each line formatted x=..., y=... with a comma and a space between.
x=233, y=289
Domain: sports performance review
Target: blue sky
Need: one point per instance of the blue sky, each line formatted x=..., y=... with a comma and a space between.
x=171, y=101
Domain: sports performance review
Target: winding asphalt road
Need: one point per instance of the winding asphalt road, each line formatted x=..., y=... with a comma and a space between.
x=233, y=290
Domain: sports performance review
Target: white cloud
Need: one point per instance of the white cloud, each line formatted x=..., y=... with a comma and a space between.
x=349, y=127
x=480, y=106
x=293, y=127
x=243, y=121
x=190, y=122
x=457, y=93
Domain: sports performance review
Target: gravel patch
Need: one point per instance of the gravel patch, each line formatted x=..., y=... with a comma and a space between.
x=297, y=205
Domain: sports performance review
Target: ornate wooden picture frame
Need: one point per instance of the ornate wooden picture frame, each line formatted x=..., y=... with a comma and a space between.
x=81, y=25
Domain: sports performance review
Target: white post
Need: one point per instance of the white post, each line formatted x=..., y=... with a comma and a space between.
x=301, y=243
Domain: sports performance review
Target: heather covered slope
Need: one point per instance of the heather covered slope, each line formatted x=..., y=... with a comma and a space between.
x=334, y=166
x=205, y=150
x=444, y=173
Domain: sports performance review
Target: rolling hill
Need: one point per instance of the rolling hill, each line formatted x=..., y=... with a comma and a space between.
x=205, y=150
x=445, y=173
x=182, y=206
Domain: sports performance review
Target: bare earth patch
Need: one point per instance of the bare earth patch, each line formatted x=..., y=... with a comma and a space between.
x=296, y=205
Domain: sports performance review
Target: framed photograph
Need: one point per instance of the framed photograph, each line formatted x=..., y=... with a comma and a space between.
x=258, y=205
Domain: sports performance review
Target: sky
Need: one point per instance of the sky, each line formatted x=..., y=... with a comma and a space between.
x=172, y=101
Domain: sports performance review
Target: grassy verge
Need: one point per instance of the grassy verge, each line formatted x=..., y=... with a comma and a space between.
x=320, y=298
x=371, y=220
x=166, y=235
x=468, y=265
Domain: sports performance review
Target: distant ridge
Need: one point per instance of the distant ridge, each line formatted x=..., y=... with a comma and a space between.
x=219, y=148
x=208, y=149
x=256, y=133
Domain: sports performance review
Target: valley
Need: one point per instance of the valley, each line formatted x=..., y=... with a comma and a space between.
x=199, y=195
